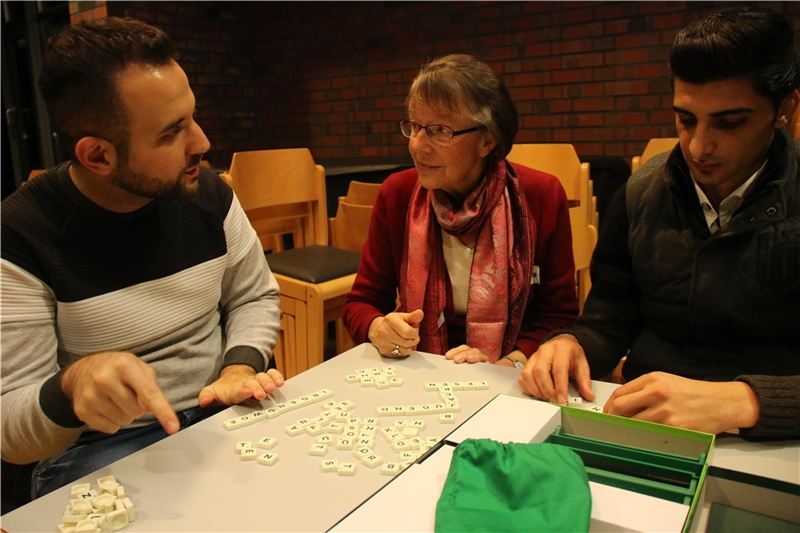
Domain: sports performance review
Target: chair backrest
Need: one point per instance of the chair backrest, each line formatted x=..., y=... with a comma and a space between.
x=282, y=192
x=584, y=239
x=560, y=160
x=350, y=226
x=226, y=176
x=654, y=147
x=361, y=193
x=36, y=172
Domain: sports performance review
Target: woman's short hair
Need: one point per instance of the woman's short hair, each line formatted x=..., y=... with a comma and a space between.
x=747, y=42
x=463, y=84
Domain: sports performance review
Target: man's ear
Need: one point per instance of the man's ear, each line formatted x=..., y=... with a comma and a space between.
x=96, y=155
x=787, y=110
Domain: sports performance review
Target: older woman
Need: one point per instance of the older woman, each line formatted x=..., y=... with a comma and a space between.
x=480, y=250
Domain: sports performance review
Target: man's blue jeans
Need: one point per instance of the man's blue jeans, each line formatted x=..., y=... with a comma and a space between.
x=92, y=451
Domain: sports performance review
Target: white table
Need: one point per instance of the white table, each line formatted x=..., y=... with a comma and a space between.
x=193, y=481
x=779, y=460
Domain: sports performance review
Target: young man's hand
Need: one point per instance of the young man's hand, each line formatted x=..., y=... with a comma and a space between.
x=712, y=407
x=547, y=373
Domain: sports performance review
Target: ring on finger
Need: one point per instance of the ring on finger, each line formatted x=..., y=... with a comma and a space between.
x=396, y=351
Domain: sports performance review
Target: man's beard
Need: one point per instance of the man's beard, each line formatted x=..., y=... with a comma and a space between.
x=150, y=187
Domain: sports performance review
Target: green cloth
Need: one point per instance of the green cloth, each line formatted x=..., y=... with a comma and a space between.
x=514, y=487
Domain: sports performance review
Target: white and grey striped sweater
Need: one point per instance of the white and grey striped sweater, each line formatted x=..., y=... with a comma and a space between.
x=184, y=285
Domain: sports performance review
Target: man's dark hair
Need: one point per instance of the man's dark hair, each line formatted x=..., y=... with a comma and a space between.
x=747, y=42
x=81, y=66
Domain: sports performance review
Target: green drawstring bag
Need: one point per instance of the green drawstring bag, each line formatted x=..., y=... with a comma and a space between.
x=514, y=487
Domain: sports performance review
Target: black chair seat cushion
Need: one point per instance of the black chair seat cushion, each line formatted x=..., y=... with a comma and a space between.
x=315, y=263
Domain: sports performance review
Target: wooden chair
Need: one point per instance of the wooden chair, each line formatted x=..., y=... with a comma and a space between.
x=227, y=177
x=350, y=226
x=562, y=161
x=283, y=193
x=35, y=172
x=360, y=193
x=654, y=146
x=349, y=230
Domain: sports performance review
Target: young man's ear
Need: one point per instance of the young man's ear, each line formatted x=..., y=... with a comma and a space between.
x=787, y=112
x=96, y=155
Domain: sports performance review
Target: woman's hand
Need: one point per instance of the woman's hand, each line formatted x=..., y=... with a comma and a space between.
x=466, y=354
x=396, y=334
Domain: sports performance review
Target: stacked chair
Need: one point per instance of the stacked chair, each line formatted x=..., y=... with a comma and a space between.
x=350, y=227
x=349, y=230
x=283, y=194
x=653, y=147
x=562, y=161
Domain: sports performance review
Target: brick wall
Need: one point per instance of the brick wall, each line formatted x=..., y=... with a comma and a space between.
x=215, y=40
x=333, y=75
x=79, y=11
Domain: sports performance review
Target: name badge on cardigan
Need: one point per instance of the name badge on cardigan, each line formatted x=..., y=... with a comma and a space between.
x=535, y=280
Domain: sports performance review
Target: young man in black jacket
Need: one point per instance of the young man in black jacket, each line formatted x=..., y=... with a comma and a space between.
x=696, y=275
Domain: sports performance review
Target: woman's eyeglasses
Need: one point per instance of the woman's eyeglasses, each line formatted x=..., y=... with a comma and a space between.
x=436, y=132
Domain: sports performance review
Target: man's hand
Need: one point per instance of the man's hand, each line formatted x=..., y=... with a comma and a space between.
x=686, y=403
x=112, y=389
x=399, y=330
x=237, y=383
x=547, y=372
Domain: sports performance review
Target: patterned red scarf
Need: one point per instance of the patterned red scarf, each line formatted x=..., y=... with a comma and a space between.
x=500, y=278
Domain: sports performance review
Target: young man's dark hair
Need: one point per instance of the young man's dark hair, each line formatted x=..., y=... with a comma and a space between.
x=79, y=73
x=746, y=42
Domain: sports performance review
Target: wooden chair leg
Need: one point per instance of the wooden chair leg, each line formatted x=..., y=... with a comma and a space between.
x=279, y=352
x=290, y=350
x=316, y=329
x=301, y=337
x=292, y=341
x=583, y=283
x=343, y=340
x=616, y=375
x=586, y=286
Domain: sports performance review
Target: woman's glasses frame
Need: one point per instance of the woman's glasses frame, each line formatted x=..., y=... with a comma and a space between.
x=438, y=133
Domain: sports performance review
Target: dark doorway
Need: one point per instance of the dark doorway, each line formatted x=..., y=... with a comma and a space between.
x=28, y=143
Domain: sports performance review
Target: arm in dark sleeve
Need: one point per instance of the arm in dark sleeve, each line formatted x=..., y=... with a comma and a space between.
x=610, y=319
x=553, y=303
x=779, y=401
